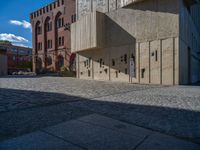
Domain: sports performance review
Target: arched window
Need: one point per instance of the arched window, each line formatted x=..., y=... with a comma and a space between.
x=38, y=28
x=60, y=61
x=49, y=61
x=48, y=24
x=59, y=20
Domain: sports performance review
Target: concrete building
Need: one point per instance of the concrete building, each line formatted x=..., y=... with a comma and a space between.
x=51, y=36
x=138, y=41
x=18, y=58
x=3, y=62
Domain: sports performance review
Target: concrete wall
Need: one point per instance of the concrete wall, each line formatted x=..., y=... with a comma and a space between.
x=189, y=44
x=3, y=65
x=148, y=31
x=88, y=32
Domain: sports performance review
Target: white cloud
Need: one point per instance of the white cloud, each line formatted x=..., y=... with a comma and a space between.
x=22, y=23
x=19, y=44
x=12, y=38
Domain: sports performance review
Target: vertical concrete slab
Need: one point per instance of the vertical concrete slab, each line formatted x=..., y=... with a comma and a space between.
x=155, y=62
x=167, y=61
x=144, y=62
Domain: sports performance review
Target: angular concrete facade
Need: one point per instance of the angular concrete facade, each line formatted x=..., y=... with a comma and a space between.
x=139, y=41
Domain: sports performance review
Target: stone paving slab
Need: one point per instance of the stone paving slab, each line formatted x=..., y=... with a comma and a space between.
x=93, y=137
x=37, y=141
x=96, y=132
x=109, y=123
x=158, y=141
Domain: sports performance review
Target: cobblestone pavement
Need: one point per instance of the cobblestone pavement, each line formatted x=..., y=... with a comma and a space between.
x=32, y=103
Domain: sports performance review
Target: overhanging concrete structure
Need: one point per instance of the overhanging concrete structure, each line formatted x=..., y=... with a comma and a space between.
x=147, y=42
x=89, y=32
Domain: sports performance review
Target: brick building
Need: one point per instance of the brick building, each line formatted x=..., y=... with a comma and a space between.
x=18, y=58
x=3, y=62
x=138, y=41
x=51, y=36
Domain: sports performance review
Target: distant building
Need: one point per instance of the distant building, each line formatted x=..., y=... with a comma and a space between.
x=51, y=36
x=138, y=41
x=3, y=62
x=19, y=58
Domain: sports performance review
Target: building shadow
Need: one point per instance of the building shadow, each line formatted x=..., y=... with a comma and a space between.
x=23, y=111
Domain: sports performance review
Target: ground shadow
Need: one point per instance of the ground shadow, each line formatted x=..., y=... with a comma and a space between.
x=23, y=111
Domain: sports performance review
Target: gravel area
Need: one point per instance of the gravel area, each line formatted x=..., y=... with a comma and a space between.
x=31, y=103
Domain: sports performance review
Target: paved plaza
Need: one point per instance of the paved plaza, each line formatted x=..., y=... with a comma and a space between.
x=82, y=114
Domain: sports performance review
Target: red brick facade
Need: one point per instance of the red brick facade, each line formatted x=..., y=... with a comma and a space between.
x=18, y=58
x=51, y=35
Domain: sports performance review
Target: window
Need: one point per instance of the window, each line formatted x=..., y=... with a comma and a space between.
x=60, y=22
x=142, y=72
x=125, y=58
x=121, y=58
x=89, y=73
x=43, y=10
x=89, y=61
x=39, y=46
x=49, y=44
x=47, y=8
x=63, y=41
x=58, y=2
x=54, y=4
x=50, y=6
x=62, y=2
x=49, y=26
x=49, y=61
x=113, y=62
x=59, y=41
x=73, y=18
x=39, y=30
x=126, y=71
x=116, y=73
x=101, y=62
x=156, y=55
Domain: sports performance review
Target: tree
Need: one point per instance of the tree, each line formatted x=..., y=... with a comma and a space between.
x=5, y=42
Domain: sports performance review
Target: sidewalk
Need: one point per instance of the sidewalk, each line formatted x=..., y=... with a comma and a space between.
x=95, y=132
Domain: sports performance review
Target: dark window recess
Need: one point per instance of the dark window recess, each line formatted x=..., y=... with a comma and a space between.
x=100, y=72
x=89, y=61
x=106, y=71
x=126, y=71
x=125, y=58
x=142, y=73
x=119, y=71
x=100, y=62
x=81, y=73
x=121, y=58
x=88, y=73
x=116, y=72
x=156, y=55
x=85, y=63
x=113, y=62
x=152, y=54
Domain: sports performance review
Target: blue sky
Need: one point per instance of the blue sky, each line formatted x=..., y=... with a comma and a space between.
x=14, y=20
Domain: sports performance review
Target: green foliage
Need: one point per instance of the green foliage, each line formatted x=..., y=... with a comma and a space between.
x=66, y=73
x=26, y=65
x=5, y=42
